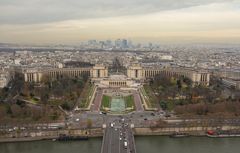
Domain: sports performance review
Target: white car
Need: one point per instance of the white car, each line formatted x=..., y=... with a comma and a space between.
x=77, y=119
x=111, y=125
x=10, y=130
x=125, y=144
x=23, y=128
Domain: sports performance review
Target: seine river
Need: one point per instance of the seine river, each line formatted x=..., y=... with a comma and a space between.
x=146, y=144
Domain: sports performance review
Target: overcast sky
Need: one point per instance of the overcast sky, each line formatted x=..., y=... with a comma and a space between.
x=166, y=21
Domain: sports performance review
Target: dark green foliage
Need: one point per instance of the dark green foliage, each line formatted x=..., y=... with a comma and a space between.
x=179, y=84
x=44, y=97
x=163, y=105
x=66, y=106
x=187, y=81
x=21, y=103
x=55, y=116
x=9, y=110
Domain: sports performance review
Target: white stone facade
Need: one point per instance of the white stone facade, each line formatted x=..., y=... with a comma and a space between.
x=198, y=77
x=134, y=72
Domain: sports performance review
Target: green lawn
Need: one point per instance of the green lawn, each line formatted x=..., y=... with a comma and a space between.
x=86, y=95
x=170, y=105
x=55, y=102
x=151, y=97
x=106, y=101
x=34, y=100
x=129, y=101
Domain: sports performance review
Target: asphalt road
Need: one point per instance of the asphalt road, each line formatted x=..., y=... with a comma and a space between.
x=97, y=101
x=137, y=101
x=116, y=136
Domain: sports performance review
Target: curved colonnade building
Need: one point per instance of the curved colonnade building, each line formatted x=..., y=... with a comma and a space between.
x=134, y=72
x=37, y=75
x=198, y=77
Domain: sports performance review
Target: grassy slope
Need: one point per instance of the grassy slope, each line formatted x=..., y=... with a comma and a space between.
x=152, y=98
x=129, y=100
x=86, y=95
x=106, y=101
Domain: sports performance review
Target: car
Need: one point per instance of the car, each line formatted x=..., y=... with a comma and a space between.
x=10, y=130
x=22, y=128
x=44, y=128
x=111, y=125
x=77, y=120
x=145, y=119
x=162, y=112
x=125, y=144
x=167, y=115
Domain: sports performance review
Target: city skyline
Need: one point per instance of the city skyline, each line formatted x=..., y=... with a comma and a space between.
x=70, y=22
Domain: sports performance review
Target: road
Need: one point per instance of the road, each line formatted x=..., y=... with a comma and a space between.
x=117, y=134
x=97, y=101
x=137, y=101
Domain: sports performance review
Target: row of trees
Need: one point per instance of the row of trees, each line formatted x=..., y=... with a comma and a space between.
x=21, y=112
x=220, y=109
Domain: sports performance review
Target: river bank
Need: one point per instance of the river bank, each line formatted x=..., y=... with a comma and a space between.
x=144, y=144
x=48, y=135
x=98, y=132
x=193, y=130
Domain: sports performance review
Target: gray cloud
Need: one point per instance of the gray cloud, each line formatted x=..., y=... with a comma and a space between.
x=44, y=11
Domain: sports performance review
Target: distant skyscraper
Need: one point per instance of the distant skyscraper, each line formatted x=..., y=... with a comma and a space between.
x=118, y=43
x=102, y=43
x=121, y=43
x=108, y=43
x=124, y=43
x=150, y=46
x=92, y=42
x=130, y=44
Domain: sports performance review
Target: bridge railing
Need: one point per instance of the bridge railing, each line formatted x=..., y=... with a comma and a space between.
x=103, y=141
